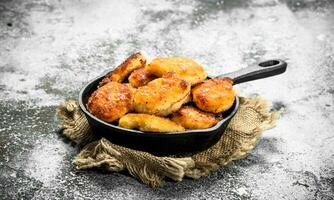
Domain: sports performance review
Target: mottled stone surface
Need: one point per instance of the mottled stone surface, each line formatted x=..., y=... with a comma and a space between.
x=49, y=49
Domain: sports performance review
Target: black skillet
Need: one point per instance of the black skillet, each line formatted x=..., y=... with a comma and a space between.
x=189, y=141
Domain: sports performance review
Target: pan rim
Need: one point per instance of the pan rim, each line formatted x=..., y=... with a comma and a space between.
x=157, y=134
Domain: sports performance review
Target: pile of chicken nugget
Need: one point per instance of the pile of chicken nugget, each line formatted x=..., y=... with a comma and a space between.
x=166, y=95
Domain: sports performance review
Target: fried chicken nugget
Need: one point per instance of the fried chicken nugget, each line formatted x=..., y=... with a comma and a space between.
x=132, y=63
x=111, y=101
x=162, y=96
x=192, y=118
x=149, y=123
x=214, y=95
x=140, y=77
x=187, y=68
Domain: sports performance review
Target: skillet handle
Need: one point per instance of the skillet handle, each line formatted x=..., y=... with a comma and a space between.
x=262, y=70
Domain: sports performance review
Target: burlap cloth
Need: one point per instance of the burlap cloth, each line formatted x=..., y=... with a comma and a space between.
x=242, y=134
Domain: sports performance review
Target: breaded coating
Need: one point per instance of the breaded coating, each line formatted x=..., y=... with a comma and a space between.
x=162, y=96
x=121, y=72
x=149, y=123
x=192, y=118
x=111, y=101
x=187, y=68
x=140, y=77
x=214, y=95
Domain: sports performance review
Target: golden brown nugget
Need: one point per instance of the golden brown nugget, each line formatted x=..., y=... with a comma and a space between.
x=214, y=95
x=192, y=118
x=187, y=68
x=121, y=72
x=162, y=96
x=140, y=77
x=149, y=123
x=111, y=101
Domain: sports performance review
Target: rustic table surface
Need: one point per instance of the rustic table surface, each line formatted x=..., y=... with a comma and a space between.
x=50, y=49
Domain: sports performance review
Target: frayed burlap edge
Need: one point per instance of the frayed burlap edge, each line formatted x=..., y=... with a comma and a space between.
x=241, y=136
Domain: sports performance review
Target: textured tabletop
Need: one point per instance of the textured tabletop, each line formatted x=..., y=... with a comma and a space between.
x=50, y=49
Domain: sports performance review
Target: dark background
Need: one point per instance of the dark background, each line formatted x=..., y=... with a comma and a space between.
x=49, y=49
